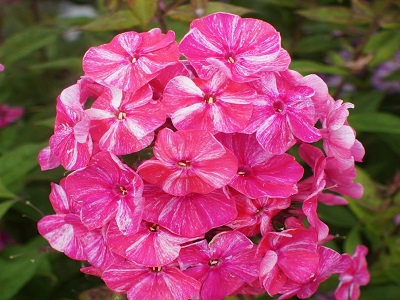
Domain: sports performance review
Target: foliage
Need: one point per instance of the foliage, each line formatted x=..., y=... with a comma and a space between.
x=351, y=44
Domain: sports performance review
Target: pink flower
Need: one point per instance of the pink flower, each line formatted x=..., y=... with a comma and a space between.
x=239, y=47
x=152, y=245
x=188, y=161
x=150, y=283
x=254, y=215
x=330, y=262
x=71, y=144
x=261, y=174
x=1, y=68
x=284, y=113
x=288, y=255
x=64, y=229
x=355, y=276
x=337, y=178
x=124, y=122
x=107, y=190
x=222, y=266
x=215, y=105
x=131, y=59
x=191, y=215
x=9, y=114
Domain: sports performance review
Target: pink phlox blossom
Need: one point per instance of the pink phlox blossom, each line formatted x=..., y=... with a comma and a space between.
x=330, y=262
x=216, y=105
x=2, y=68
x=124, y=122
x=291, y=254
x=321, y=97
x=188, y=161
x=261, y=174
x=337, y=179
x=223, y=265
x=107, y=189
x=255, y=215
x=282, y=113
x=151, y=283
x=152, y=245
x=159, y=83
x=64, y=229
x=239, y=47
x=131, y=59
x=97, y=252
x=309, y=208
x=355, y=276
x=9, y=114
x=190, y=215
x=71, y=144
x=250, y=288
x=337, y=136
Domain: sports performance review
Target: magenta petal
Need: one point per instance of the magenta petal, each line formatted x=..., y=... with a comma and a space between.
x=61, y=235
x=191, y=215
x=139, y=282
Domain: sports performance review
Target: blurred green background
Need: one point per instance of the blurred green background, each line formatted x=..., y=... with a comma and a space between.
x=353, y=45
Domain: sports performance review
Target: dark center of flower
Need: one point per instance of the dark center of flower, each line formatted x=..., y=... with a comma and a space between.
x=184, y=163
x=121, y=116
x=154, y=228
x=123, y=190
x=231, y=60
x=156, y=269
x=278, y=106
x=213, y=262
x=243, y=171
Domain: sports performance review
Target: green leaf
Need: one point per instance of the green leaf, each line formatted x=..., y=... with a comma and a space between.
x=306, y=67
x=339, y=216
x=383, y=45
x=187, y=13
x=19, y=267
x=332, y=14
x=26, y=42
x=370, y=198
x=65, y=63
x=367, y=102
x=4, y=207
x=144, y=10
x=387, y=292
x=17, y=163
x=120, y=20
x=4, y=192
x=353, y=239
x=392, y=140
x=375, y=122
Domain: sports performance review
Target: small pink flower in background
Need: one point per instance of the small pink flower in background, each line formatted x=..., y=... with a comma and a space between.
x=229, y=260
x=283, y=113
x=9, y=114
x=1, y=68
x=215, y=105
x=188, y=161
x=152, y=283
x=355, y=276
x=191, y=215
x=239, y=47
x=107, y=189
x=131, y=59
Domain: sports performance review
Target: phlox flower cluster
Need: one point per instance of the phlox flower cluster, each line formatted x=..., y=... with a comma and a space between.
x=187, y=175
